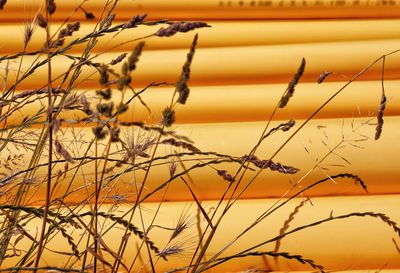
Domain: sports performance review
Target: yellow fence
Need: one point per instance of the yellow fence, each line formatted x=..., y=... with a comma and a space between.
x=242, y=66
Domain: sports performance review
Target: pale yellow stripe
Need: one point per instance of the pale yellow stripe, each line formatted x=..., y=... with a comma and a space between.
x=234, y=65
x=221, y=34
x=235, y=103
x=214, y=9
x=352, y=243
x=374, y=161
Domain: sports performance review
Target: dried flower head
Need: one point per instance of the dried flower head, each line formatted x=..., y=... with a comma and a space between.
x=122, y=107
x=269, y=164
x=118, y=59
x=181, y=86
x=134, y=57
x=105, y=94
x=106, y=23
x=226, y=176
x=183, y=91
x=181, y=144
x=170, y=251
x=51, y=6
x=114, y=134
x=86, y=105
x=29, y=28
x=2, y=3
x=53, y=44
x=323, y=76
x=138, y=147
x=105, y=108
x=103, y=71
x=71, y=101
x=100, y=132
x=382, y=106
x=180, y=27
x=134, y=21
x=69, y=30
x=124, y=68
x=286, y=225
x=63, y=152
x=172, y=166
x=290, y=89
x=118, y=198
x=42, y=22
x=124, y=81
x=88, y=15
x=168, y=117
x=286, y=126
x=185, y=221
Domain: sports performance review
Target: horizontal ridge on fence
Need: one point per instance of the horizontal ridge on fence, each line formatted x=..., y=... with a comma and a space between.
x=215, y=9
x=322, y=148
x=362, y=240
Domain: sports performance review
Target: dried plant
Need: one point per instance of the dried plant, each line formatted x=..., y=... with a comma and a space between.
x=181, y=86
x=290, y=89
x=67, y=180
x=382, y=106
x=2, y=3
x=176, y=27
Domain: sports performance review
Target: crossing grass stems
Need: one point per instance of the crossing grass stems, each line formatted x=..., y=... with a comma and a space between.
x=138, y=146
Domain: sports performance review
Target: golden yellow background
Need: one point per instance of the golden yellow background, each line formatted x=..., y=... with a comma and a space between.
x=241, y=68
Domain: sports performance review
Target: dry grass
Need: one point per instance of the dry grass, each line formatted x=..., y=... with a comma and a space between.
x=116, y=148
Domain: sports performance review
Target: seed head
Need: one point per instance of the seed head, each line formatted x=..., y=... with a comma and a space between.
x=63, y=152
x=105, y=108
x=105, y=94
x=88, y=15
x=99, y=132
x=106, y=23
x=181, y=86
x=103, y=74
x=226, y=176
x=69, y=30
x=51, y=6
x=382, y=106
x=29, y=28
x=114, y=134
x=118, y=59
x=168, y=117
x=180, y=27
x=42, y=22
x=134, y=21
x=170, y=251
x=2, y=3
x=134, y=57
x=122, y=107
x=290, y=89
x=124, y=81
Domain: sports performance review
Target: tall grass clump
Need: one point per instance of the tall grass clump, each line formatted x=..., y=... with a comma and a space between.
x=62, y=205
